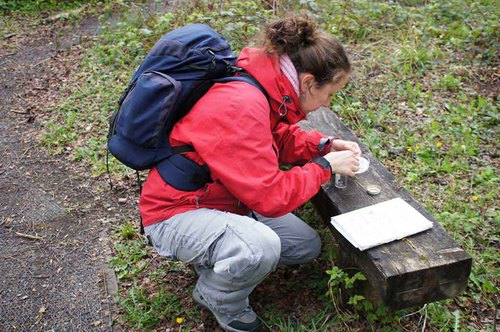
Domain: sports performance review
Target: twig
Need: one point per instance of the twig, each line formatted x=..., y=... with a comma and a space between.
x=495, y=314
x=20, y=96
x=27, y=236
x=471, y=181
x=19, y=112
x=326, y=320
x=40, y=62
x=8, y=54
x=425, y=318
x=424, y=308
x=27, y=150
x=108, y=296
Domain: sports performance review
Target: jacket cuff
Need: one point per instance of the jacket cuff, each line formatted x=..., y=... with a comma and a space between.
x=323, y=163
x=326, y=142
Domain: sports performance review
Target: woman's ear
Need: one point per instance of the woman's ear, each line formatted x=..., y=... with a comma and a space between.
x=306, y=82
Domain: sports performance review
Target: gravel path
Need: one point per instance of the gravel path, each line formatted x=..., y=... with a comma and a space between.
x=53, y=229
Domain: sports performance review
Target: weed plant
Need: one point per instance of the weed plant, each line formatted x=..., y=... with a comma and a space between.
x=15, y=7
x=423, y=98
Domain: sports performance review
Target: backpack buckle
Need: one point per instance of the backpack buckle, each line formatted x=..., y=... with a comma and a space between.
x=214, y=64
x=231, y=69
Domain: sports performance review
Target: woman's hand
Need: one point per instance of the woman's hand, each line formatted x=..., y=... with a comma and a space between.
x=341, y=145
x=343, y=162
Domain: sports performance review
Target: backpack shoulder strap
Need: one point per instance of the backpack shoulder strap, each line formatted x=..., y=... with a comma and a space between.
x=244, y=77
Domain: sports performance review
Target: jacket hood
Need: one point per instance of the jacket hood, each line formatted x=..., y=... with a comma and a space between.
x=265, y=68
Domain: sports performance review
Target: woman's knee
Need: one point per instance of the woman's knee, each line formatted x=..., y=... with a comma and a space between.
x=270, y=245
x=267, y=250
x=300, y=243
x=314, y=247
x=302, y=251
x=250, y=253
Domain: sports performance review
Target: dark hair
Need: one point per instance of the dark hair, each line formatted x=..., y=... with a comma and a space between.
x=310, y=49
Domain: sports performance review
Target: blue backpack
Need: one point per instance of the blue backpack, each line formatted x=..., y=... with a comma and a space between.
x=176, y=73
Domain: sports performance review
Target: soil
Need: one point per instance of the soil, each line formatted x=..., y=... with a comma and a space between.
x=53, y=227
x=56, y=218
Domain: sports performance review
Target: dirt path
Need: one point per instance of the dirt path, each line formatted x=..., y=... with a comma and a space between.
x=53, y=229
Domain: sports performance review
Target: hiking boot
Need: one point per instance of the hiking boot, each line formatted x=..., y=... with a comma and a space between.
x=246, y=321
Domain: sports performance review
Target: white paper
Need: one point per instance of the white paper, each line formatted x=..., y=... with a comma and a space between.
x=380, y=223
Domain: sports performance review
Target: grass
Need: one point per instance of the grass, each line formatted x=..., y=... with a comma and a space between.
x=9, y=7
x=149, y=293
x=423, y=99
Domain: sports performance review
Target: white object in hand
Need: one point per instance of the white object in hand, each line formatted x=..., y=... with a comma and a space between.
x=364, y=163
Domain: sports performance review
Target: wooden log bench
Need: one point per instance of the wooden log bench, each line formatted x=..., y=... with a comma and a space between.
x=422, y=268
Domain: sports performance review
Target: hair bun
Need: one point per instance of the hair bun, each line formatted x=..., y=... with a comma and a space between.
x=310, y=49
x=290, y=34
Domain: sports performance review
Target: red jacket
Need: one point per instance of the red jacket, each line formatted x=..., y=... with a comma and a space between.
x=243, y=139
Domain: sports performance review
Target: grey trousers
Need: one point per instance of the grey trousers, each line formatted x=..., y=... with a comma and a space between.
x=232, y=254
